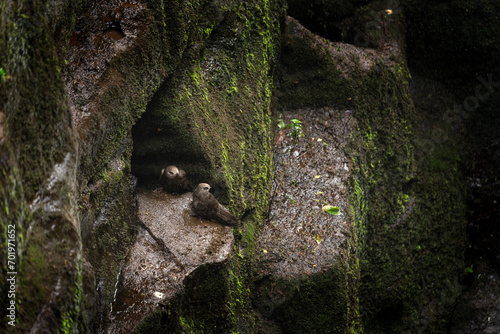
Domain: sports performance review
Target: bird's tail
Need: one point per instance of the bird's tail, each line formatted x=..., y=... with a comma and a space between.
x=226, y=218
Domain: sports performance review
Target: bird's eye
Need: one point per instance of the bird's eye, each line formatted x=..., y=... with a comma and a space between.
x=206, y=188
x=171, y=172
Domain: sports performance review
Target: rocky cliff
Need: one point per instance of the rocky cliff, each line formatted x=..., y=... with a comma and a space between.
x=345, y=169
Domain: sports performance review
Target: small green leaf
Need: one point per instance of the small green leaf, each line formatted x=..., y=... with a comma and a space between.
x=333, y=210
x=281, y=124
x=318, y=239
x=469, y=270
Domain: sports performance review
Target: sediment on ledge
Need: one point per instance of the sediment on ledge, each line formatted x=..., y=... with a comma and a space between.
x=169, y=246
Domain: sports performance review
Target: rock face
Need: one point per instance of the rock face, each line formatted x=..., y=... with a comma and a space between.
x=96, y=97
x=38, y=189
x=170, y=244
x=302, y=245
x=67, y=164
x=384, y=202
x=473, y=115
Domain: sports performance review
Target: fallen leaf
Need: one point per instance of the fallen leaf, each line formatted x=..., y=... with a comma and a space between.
x=333, y=210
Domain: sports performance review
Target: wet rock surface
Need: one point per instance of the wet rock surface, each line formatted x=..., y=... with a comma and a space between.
x=68, y=184
x=310, y=172
x=170, y=245
x=103, y=32
x=301, y=249
x=478, y=310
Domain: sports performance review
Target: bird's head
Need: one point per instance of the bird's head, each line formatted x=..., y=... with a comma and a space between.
x=204, y=187
x=171, y=170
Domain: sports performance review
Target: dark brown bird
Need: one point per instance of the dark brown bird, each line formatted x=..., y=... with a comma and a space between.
x=174, y=180
x=206, y=206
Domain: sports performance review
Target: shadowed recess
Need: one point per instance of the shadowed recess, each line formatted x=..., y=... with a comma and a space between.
x=162, y=138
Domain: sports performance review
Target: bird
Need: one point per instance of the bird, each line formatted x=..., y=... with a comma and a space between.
x=206, y=206
x=173, y=180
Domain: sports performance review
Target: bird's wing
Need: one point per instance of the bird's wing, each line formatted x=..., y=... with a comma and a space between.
x=225, y=217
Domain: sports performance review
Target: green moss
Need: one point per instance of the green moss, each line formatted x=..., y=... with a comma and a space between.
x=30, y=57
x=383, y=161
x=70, y=319
x=15, y=216
x=38, y=135
x=406, y=232
x=239, y=305
x=110, y=211
x=204, y=119
x=36, y=275
x=206, y=116
x=213, y=118
x=358, y=212
x=152, y=324
x=38, y=281
x=378, y=182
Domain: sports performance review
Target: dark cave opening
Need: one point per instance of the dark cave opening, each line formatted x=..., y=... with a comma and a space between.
x=162, y=138
x=356, y=22
x=320, y=17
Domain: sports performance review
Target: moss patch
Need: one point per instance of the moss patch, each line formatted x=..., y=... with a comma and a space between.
x=110, y=211
x=212, y=117
x=31, y=60
x=409, y=215
x=38, y=135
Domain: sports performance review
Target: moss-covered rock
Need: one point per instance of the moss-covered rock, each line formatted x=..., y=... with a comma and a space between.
x=411, y=230
x=308, y=75
x=201, y=75
x=456, y=44
x=212, y=117
x=408, y=204
x=38, y=164
x=392, y=284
